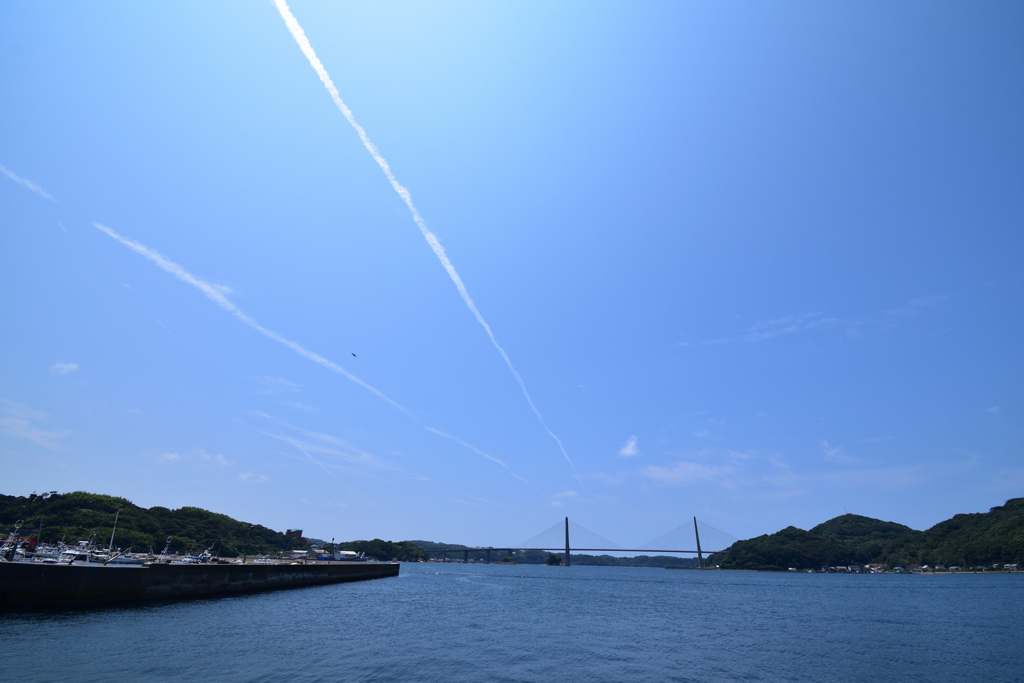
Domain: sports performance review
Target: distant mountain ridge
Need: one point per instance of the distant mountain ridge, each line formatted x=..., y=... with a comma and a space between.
x=996, y=536
x=966, y=540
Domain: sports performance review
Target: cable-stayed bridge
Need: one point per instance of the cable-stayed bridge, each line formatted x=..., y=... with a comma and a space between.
x=697, y=539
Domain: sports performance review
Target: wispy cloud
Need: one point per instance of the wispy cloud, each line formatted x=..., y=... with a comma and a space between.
x=915, y=306
x=777, y=327
x=612, y=479
x=21, y=421
x=356, y=460
x=327, y=444
x=63, y=368
x=307, y=49
x=301, y=406
x=251, y=478
x=805, y=322
x=276, y=385
x=684, y=473
x=29, y=184
x=630, y=450
x=469, y=446
x=835, y=454
x=218, y=294
x=306, y=453
x=479, y=452
x=216, y=459
x=198, y=455
x=481, y=504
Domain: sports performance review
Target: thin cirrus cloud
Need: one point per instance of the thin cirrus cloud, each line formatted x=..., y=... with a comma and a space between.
x=778, y=327
x=307, y=49
x=198, y=455
x=218, y=294
x=63, y=368
x=353, y=461
x=276, y=385
x=29, y=184
x=805, y=322
x=630, y=450
x=318, y=442
x=835, y=454
x=21, y=421
x=306, y=453
x=685, y=473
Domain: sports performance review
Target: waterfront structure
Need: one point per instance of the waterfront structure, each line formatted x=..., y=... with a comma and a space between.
x=40, y=586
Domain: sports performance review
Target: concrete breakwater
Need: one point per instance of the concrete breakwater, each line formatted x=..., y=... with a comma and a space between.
x=37, y=586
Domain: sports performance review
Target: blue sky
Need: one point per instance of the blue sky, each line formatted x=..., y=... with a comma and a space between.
x=753, y=262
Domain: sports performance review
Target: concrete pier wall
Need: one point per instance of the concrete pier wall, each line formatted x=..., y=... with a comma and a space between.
x=32, y=586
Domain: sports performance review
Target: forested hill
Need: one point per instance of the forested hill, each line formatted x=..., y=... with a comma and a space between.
x=78, y=516
x=966, y=540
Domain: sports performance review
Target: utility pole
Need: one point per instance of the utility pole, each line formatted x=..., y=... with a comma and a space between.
x=566, y=541
x=700, y=556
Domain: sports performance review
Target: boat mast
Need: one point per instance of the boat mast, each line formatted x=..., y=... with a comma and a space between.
x=110, y=547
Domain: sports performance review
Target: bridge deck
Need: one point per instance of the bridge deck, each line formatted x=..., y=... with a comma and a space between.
x=562, y=549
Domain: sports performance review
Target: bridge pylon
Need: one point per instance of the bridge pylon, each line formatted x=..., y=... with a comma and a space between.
x=567, y=562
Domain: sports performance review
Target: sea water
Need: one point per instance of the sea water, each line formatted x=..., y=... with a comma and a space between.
x=459, y=622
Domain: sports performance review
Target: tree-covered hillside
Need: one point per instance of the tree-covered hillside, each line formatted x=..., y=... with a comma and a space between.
x=385, y=551
x=857, y=528
x=79, y=516
x=986, y=538
x=965, y=540
x=790, y=547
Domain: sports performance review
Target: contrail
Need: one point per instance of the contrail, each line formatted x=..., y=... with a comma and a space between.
x=306, y=453
x=317, y=462
x=300, y=37
x=477, y=450
x=472, y=448
x=27, y=183
x=324, y=467
x=217, y=294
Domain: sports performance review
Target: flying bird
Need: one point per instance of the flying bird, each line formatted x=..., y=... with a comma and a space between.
x=353, y=355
